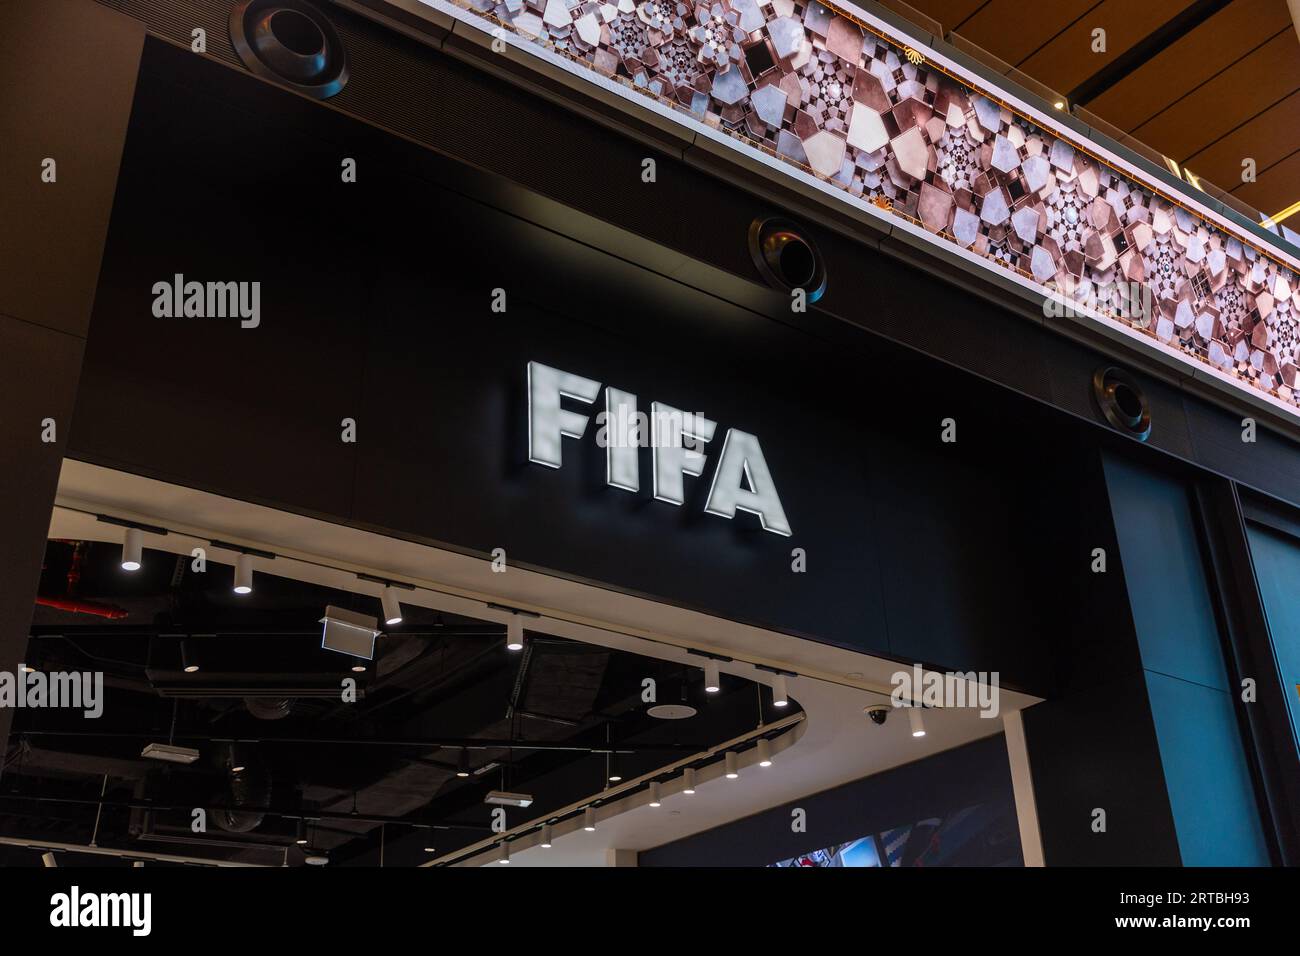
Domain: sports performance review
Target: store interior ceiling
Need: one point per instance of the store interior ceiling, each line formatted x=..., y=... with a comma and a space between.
x=375, y=782
x=244, y=680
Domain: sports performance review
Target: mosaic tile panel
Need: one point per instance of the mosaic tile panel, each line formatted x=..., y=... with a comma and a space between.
x=813, y=86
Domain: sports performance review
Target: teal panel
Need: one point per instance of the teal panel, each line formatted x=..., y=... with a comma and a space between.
x=1277, y=569
x=1210, y=790
x=1207, y=776
x=1175, y=622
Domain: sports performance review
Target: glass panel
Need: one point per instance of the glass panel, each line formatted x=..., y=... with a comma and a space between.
x=1211, y=791
x=1277, y=570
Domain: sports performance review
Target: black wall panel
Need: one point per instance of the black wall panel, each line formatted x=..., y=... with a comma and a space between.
x=376, y=306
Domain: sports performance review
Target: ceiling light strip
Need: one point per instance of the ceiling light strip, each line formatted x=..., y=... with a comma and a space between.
x=573, y=811
x=491, y=603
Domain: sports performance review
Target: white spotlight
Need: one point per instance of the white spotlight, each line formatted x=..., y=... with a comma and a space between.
x=688, y=778
x=711, y=682
x=764, y=753
x=779, y=696
x=392, y=607
x=733, y=767
x=589, y=820
x=189, y=661
x=656, y=796
x=546, y=836
x=504, y=855
x=132, y=550
x=515, y=633
x=914, y=718
x=244, y=574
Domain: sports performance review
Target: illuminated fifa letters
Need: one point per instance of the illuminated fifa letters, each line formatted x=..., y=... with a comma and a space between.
x=741, y=479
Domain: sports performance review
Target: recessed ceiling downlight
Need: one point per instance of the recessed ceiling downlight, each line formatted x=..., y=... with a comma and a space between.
x=672, y=711
x=290, y=42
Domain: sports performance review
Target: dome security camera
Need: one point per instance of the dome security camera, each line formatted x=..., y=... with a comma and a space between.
x=878, y=713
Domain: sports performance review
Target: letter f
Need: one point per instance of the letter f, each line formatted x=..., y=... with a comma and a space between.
x=548, y=423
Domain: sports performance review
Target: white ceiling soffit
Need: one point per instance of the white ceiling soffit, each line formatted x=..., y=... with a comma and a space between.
x=835, y=744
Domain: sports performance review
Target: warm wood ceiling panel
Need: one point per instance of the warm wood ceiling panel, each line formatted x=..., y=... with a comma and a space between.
x=1230, y=99
x=1068, y=60
x=947, y=12
x=1227, y=89
x=1275, y=189
x=1213, y=46
x=1012, y=29
x=1268, y=139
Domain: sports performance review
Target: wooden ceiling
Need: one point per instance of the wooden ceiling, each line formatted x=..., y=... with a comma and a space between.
x=1207, y=83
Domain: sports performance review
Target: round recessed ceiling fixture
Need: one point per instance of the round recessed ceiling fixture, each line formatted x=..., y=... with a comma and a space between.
x=290, y=42
x=1122, y=402
x=786, y=257
x=672, y=711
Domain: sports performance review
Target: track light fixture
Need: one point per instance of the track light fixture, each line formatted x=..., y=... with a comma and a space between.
x=712, y=683
x=392, y=607
x=244, y=574
x=656, y=794
x=732, y=765
x=132, y=550
x=503, y=856
x=462, y=765
x=48, y=860
x=351, y=633
x=764, y=753
x=914, y=718
x=779, y=696
x=515, y=633
x=546, y=837
x=688, y=780
x=300, y=833
x=189, y=660
x=504, y=798
x=589, y=820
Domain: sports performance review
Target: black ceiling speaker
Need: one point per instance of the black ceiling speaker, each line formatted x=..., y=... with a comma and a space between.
x=786, y=257
x=290, y=42
x=1122, y=402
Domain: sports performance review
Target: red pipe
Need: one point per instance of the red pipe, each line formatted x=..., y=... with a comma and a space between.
x=110, y=611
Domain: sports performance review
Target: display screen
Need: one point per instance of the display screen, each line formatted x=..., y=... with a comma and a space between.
x=981, y=835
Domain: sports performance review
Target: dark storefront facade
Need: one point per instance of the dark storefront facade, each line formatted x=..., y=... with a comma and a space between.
x=944, y=462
